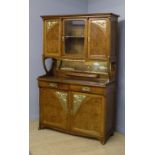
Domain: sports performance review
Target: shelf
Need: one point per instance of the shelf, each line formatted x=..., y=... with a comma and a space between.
x=73, y=36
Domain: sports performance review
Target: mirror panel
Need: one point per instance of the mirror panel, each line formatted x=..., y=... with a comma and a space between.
x=98, y=67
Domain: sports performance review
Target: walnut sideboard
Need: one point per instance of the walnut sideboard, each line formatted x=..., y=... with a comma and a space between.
x=77, y=93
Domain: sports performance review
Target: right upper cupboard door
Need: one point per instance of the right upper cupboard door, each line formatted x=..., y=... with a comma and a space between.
x=98, y=38
x=52, y=36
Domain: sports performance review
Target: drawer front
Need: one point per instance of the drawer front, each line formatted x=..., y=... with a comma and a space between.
x=88, y=89
x=75, y=88
x=53, y=85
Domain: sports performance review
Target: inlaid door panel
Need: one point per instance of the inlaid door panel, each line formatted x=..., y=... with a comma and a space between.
x=54, y=105
x=98, y=38
x=52, y=37
x=87, y=113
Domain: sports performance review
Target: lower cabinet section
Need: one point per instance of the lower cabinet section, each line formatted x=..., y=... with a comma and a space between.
x=75, y=113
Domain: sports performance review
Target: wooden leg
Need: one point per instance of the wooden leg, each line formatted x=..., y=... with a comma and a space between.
x=40, y=126
x=112, y=134
x=102, y=140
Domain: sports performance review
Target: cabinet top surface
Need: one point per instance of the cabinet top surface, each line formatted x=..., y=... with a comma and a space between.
x=96, y=83
x=81, y=15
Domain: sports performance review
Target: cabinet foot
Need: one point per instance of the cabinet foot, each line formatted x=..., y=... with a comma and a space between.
x=102, y=141
x=112, y=134
x=40, y=127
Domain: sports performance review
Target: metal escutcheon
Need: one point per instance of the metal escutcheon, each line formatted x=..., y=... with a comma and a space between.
x=53, y=85
x=86, y=88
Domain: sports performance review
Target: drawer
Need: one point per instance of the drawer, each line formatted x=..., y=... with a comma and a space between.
x=53, y=85
x=88, y=89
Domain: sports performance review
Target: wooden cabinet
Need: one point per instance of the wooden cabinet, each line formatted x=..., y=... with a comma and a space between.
x=77, y=94
x=85, y=111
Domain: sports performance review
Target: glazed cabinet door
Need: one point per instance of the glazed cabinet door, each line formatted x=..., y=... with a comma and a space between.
x=52, y=37
x=87, y=114
x=74, y=38
x=53, y=107
x=98, y=38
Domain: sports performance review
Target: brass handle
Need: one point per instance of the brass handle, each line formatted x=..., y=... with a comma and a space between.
x=86, y=88
x=53, y=85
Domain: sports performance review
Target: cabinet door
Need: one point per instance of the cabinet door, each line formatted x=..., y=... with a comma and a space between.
x=53, y=107
x=87, y=114
x=98, y=38
x=74, y=39
x=52, y=37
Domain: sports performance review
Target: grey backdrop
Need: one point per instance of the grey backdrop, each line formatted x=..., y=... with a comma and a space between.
x=40, y=7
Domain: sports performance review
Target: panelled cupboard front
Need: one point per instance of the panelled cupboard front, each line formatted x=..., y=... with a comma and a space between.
x=77, y=94
x=95, y=37
x=72, y=111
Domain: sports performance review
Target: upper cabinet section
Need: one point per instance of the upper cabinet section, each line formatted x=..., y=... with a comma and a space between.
x=74, y=37
x=89, y=36
x=52, y=37
x=98, y=38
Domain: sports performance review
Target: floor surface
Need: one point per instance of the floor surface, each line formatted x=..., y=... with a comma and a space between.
x=49, y=142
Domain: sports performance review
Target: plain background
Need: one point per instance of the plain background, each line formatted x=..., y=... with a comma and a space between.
x=139, y=66
x=47, y=7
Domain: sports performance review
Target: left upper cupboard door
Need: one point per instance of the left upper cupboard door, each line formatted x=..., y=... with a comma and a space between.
x=52, y=37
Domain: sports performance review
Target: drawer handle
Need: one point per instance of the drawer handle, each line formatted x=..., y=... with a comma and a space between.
x=86, y=88
x=53, y=85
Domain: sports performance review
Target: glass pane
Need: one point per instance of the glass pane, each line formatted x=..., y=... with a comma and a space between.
x=74, y=28
x=74, y=36
x=99, y=67
x=74, y=45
